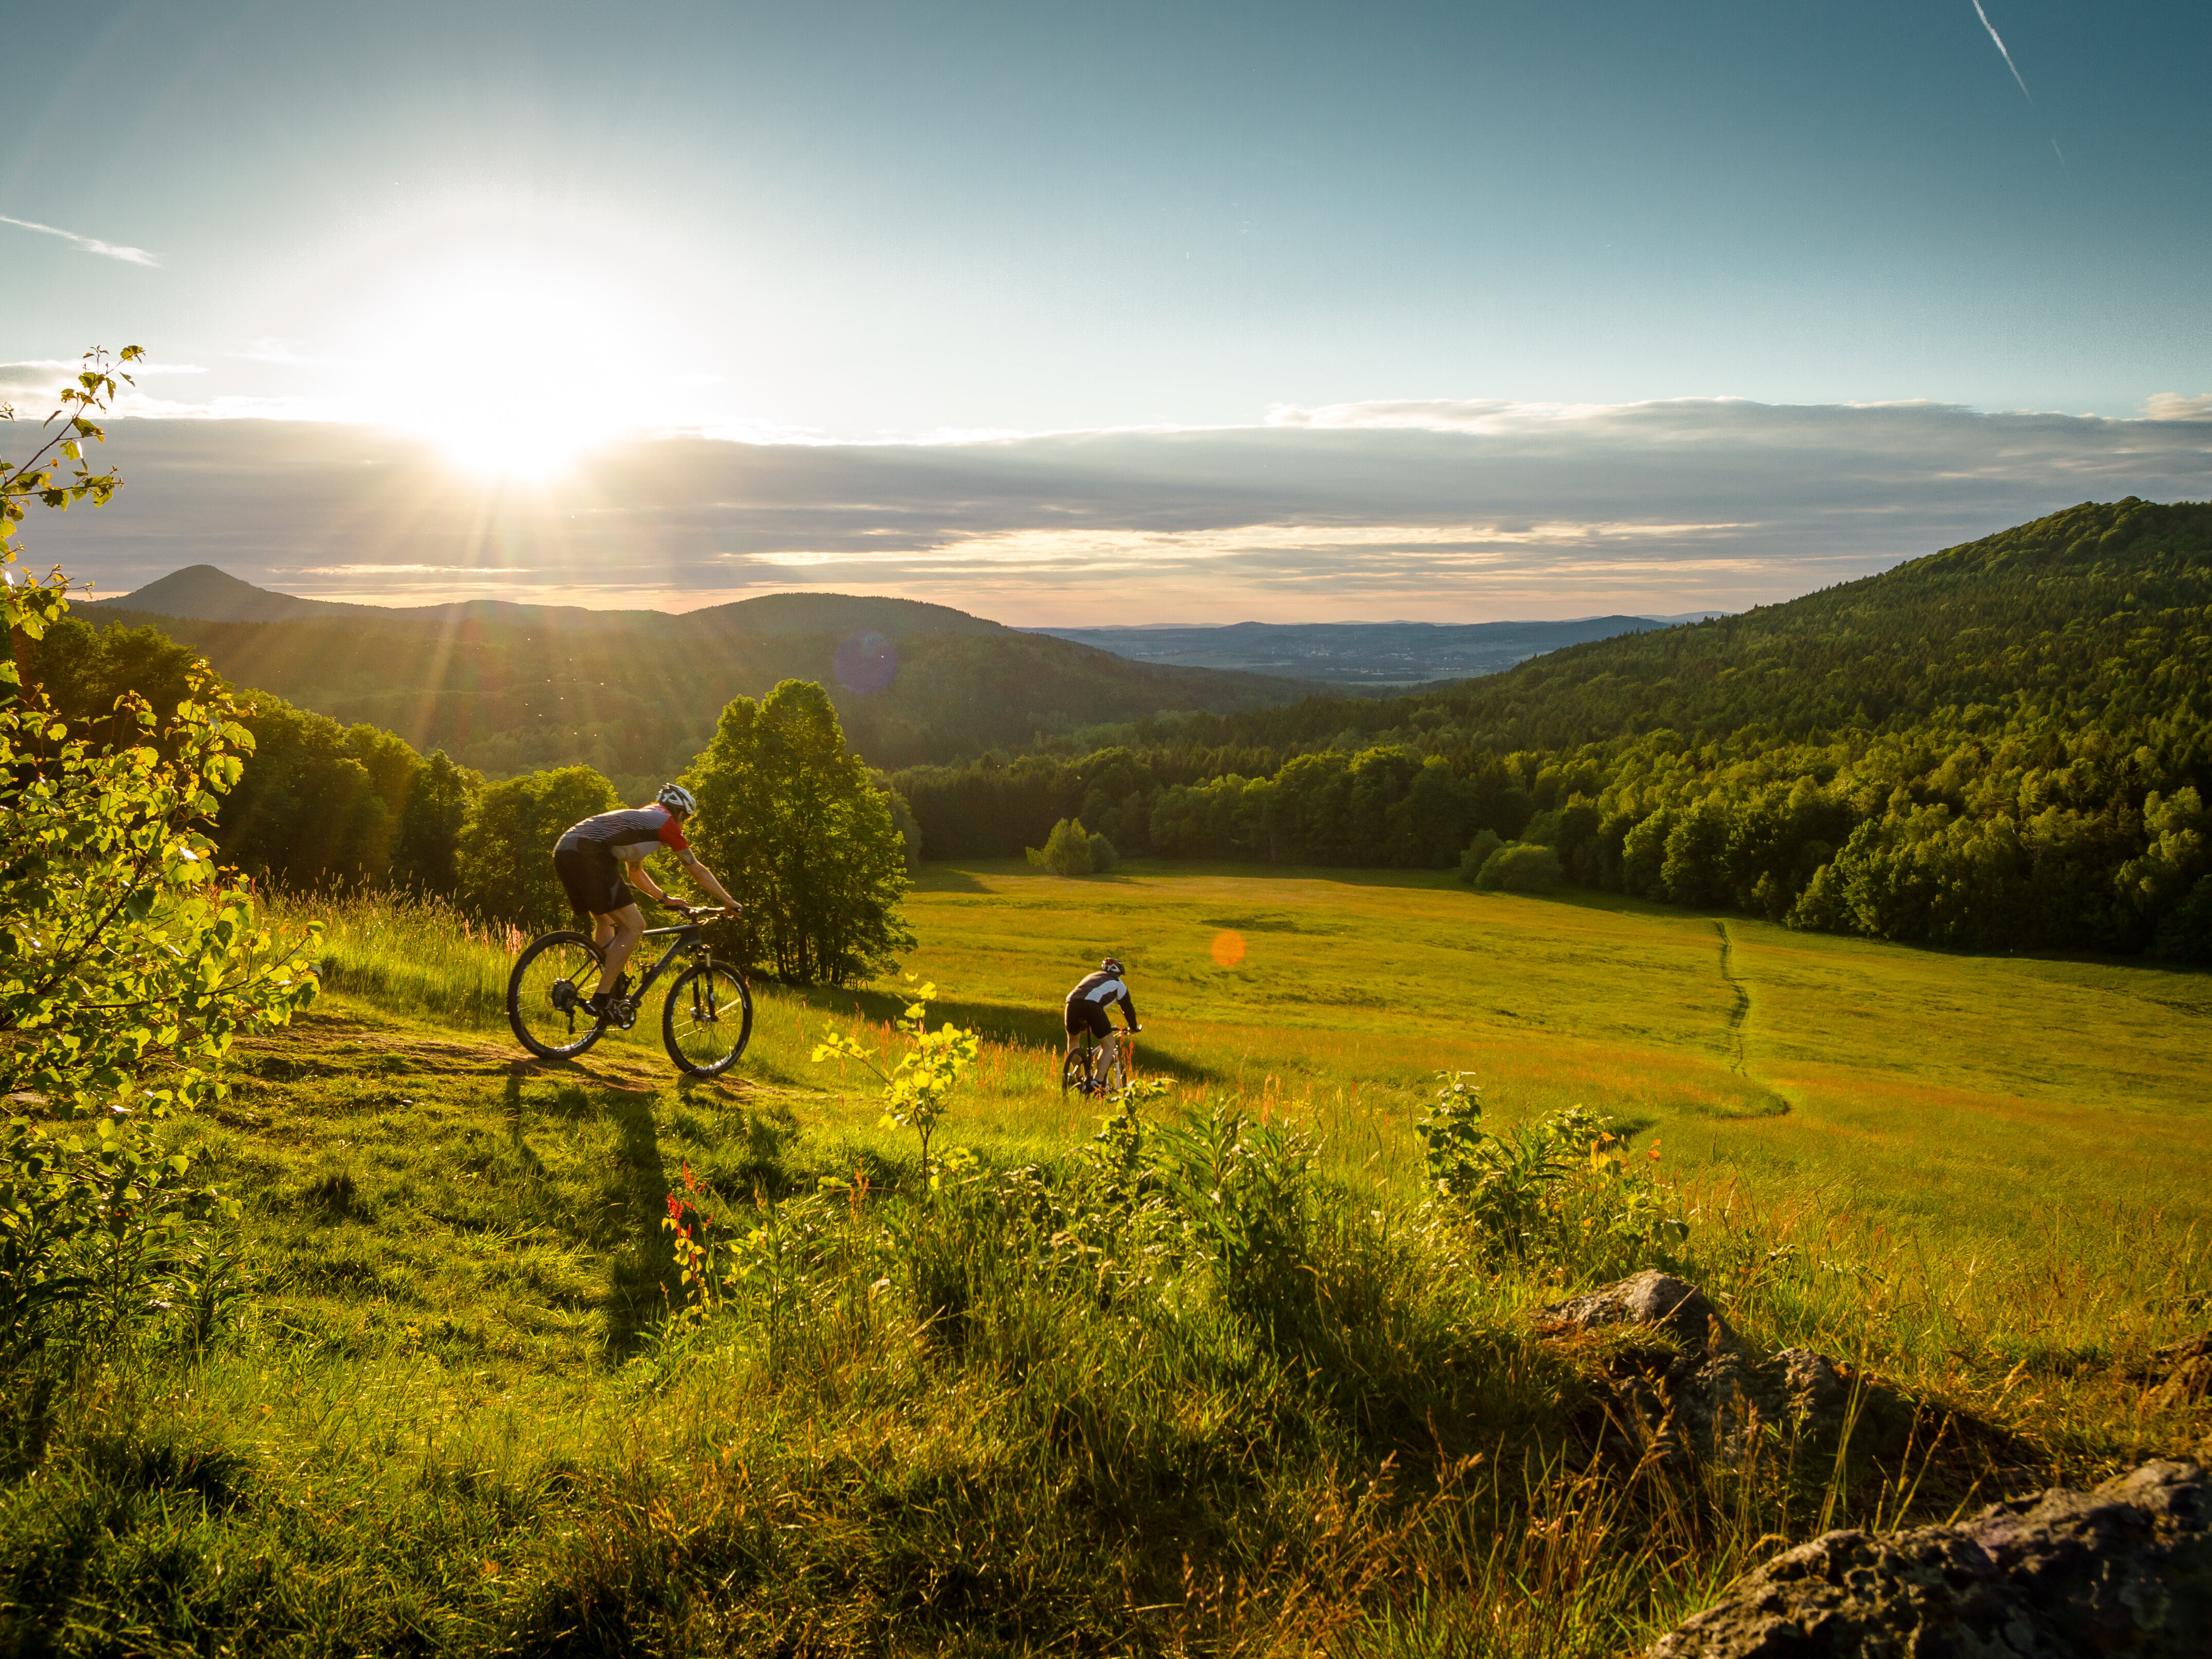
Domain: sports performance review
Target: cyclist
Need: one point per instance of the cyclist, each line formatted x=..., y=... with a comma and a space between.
x=1088, y=1002
x=598, y=861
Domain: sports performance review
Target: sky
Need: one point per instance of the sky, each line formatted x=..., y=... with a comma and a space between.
x=1077, y=314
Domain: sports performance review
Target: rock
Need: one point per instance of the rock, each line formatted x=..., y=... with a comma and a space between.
x=1650, y=1298
x=1703, y=1395
x=2068, y=1575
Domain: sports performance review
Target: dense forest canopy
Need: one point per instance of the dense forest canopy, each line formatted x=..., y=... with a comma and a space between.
x=2005, y=744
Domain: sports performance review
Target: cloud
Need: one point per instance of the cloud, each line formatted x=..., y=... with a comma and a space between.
x=131, y=256
x=403, y=570
x=283, y=353
x=2001, y=53
x=2170, y=406
x=1453, y=511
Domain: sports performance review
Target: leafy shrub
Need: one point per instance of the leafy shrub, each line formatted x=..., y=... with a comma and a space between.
x=1477, y=855
x=128, y=962
x=1520, y=867
x=1071, y=850
x=1559, y=1195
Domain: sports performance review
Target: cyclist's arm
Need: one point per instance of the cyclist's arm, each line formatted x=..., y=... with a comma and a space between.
x=705, y=877
x=1128, y=1009
x=634, y=872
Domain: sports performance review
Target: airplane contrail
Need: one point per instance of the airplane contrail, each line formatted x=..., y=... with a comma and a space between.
x=133, y=256
x=2001, y=53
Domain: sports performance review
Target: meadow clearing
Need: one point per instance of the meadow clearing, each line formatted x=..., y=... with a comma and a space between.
x=450, y=1410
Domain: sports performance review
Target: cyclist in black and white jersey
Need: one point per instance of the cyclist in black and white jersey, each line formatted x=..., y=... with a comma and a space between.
x=1088, y=1002
x=599, y=861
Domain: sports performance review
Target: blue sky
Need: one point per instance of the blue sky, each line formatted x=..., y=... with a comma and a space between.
x=519, y=231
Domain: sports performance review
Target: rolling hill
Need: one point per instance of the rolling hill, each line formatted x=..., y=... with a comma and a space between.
x=2004, y=745
x=1367, y=654
x=506, y=688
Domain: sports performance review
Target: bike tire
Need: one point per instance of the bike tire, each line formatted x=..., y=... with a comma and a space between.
x=1075, y=1070
x=534, y=1003
x=708, y=1018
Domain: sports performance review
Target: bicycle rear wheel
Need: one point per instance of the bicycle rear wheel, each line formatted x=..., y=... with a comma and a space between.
x=707, y=1019
x=1075, y=1072
x=545, y=996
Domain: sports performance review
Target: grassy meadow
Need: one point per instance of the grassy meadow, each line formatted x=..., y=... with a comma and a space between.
x=461, y=1411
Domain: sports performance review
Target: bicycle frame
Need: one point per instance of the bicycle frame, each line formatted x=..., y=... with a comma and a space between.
x=687, y=940
x=1099, y=1054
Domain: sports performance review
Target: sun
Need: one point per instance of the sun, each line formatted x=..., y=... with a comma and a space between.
x=513, y=366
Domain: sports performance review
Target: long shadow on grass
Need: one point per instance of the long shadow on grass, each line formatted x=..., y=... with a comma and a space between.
x=999, y=1022
x=642, y=1260
x=640, y=1269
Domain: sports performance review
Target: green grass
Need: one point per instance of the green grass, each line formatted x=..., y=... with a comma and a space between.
x=456, y=1418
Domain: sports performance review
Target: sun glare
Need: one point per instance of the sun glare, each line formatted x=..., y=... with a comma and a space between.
x=514, y=366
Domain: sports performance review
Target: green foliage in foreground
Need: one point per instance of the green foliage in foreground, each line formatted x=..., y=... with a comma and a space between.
x=128, y=965
x=1170, y=1388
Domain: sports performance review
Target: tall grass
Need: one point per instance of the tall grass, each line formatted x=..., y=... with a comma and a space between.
x=1058, y=1404
x=409, y=953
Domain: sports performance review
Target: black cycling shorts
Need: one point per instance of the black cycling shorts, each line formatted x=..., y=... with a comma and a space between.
x=593, y=881
x=1083, y=1015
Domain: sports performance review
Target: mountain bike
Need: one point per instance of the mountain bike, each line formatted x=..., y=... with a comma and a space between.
x=1095, y=1067
x=704, y=1024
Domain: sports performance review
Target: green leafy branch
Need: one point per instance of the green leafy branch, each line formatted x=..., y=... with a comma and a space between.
x=916, y=1089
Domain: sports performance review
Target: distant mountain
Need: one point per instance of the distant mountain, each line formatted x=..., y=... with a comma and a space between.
x=207, y=594
x=1383, y=655
x=506, y=688
x=201, y=593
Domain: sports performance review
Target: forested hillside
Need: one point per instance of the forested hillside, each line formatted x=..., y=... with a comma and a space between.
x=2005, y=745
x=635, y=693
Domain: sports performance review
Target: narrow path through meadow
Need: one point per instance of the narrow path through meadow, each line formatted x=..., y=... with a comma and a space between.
x=1741, y=1012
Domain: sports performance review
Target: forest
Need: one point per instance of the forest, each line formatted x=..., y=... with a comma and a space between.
x=2005, y=746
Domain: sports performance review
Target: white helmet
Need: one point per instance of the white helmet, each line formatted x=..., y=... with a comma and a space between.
x=676, y=799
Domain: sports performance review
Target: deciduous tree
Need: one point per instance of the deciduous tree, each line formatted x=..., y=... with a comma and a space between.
x=791, y=821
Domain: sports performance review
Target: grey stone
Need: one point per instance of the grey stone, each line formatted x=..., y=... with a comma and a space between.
x=2126, y=1569
x=1650, y=1298
x=1703, y=1394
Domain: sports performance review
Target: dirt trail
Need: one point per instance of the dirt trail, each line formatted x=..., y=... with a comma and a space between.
x=1739, y=1020
x=1741, y=1012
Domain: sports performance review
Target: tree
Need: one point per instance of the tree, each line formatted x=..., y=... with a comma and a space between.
x=504, y=861
x=790, y=822
x=438, y=801
x=1069, y=850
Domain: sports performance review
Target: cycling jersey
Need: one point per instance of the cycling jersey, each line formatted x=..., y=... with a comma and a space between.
x=1099, y=991
x=631, y=835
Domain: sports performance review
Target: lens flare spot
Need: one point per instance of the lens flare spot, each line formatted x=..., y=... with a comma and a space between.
x=1228, y=948
x=866, y=661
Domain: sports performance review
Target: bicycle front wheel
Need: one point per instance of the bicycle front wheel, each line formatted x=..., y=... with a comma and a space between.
x=545, y=996
x=707, y=1019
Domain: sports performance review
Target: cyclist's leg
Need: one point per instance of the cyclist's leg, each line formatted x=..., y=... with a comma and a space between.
x=617, y=934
